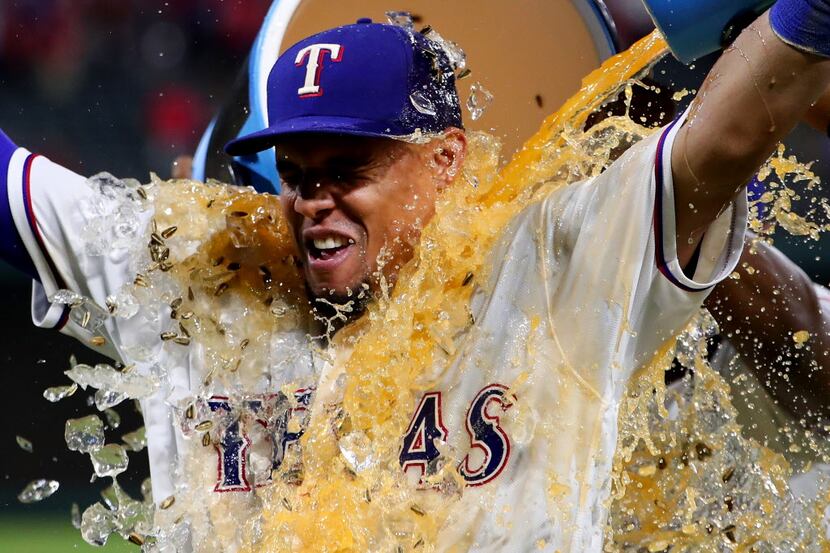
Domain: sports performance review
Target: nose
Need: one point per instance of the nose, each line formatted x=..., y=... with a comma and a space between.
x=314, y=201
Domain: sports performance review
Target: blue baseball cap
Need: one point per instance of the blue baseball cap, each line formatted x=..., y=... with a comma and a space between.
x=365, y=79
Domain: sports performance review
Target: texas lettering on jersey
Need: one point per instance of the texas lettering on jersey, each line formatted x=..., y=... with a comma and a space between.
x=489, y=444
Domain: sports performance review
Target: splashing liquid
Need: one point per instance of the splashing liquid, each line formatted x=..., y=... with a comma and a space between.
x=341, y=487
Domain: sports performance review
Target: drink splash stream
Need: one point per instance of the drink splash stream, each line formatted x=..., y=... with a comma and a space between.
x=220, y=265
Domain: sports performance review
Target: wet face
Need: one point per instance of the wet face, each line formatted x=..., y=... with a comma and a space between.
x=356, y=205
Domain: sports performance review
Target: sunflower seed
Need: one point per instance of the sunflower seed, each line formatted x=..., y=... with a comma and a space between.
x=182, y=340
x=467, y=279
x=417, y=510
x=190, y=412
x=136, y=539
x=244, y=344
x=220, y=289
x=166, y=336
x=206, y=439
x=167, y=503
x=286, y=504
x=169, y=231
x=204, y=426
x=239, y=213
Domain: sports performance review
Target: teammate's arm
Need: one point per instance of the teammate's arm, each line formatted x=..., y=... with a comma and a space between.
x=754, y=95
x=761, y=313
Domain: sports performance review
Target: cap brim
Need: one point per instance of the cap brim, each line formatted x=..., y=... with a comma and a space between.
x=267, y=138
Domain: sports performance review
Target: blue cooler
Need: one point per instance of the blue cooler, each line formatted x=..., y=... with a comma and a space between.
x=694, y=28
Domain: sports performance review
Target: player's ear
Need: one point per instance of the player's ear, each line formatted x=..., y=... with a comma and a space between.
x=448, y=156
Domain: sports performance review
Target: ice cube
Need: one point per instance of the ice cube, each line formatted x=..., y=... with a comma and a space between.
x=110, y=460
x=455, y=54
x=85, y=434
x=75, y=516
x=478, y=100
x=136, y=440
x=24, y=444
x=422, y=103
x=105, y=377
x=97, y=523
x=87, y=314
x=66, y=297
x=124, y=304
x=401, y=19
x=57, y=393
x=106, y=399
x=113, y=418
x=126, y=225
x=38, y=490
x=356, y=449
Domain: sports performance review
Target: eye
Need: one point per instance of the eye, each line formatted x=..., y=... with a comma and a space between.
x=290, y=175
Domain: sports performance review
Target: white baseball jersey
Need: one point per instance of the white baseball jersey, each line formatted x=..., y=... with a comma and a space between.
x=585, y=287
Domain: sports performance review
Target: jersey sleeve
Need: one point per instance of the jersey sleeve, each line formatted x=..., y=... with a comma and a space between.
x=615, y=237
x=46, y=225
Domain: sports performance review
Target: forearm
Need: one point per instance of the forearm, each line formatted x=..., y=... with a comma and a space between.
x=757, y=92
x=760, y=314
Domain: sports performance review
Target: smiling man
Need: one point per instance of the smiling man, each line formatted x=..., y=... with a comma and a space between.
x=586, y=284
x=342, y=197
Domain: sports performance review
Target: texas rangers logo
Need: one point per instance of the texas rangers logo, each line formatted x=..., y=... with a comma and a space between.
x=312, y=56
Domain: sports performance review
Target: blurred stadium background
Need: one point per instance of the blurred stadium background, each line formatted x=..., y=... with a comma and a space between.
x=125, y=86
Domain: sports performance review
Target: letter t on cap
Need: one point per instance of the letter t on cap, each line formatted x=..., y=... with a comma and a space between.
x=314, y=65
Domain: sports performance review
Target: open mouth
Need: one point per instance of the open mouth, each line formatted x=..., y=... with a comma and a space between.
x=324, y=249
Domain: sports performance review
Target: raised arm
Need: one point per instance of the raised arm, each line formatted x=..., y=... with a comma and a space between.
x=763, y=314
x=754, y=95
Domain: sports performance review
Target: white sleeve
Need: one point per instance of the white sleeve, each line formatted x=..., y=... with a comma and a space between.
x=614, y=238
x=55, y=211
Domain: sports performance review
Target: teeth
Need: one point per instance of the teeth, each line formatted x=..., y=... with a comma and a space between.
x=329, y=243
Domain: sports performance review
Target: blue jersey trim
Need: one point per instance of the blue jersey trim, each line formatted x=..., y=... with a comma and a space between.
x=12, y=249
x=32, y=219
x=662, y=263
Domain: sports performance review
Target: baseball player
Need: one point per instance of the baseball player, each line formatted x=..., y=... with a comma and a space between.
x=587, y=284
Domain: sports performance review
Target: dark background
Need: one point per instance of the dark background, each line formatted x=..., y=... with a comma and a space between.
x=126, y=86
